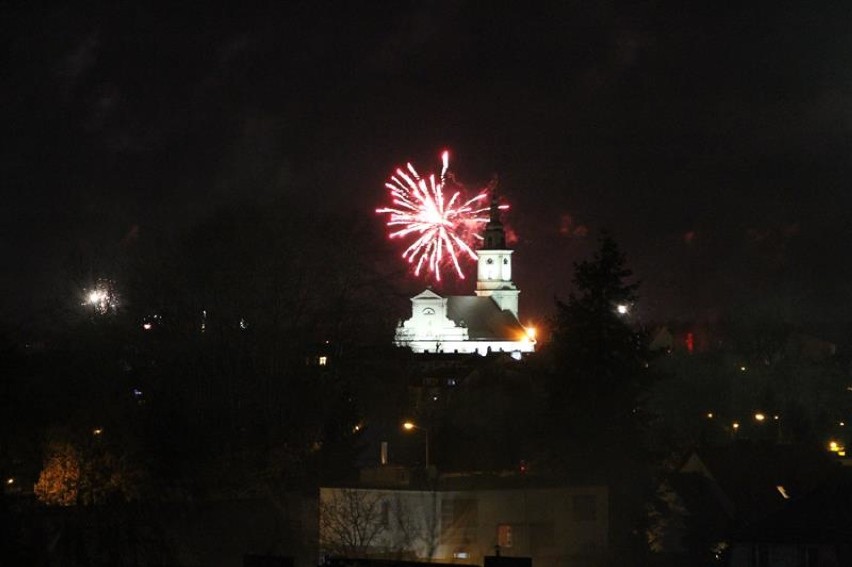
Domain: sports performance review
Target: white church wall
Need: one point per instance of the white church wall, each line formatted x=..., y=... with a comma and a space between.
x=466, y=347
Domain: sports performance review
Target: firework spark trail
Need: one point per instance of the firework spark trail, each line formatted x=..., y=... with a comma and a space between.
x=441, y=228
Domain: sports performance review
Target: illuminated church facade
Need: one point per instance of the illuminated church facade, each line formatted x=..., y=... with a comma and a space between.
x=483, y=323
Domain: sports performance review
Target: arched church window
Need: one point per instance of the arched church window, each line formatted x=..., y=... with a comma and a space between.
x=489, y=261
x=505, y=261
x=428, y=311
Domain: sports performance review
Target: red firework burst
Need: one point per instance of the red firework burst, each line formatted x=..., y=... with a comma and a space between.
x=439, y=229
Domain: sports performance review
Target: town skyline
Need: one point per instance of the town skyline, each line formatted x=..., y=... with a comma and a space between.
x=213, y=349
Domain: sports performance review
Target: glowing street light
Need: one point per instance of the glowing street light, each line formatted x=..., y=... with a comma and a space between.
x=411, y=426
x=837, y=447
x=96, y=296
x=759, y=416
x=622, y=309
x=102, y=298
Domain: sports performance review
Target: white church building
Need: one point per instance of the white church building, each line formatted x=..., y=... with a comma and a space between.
x=483, y=323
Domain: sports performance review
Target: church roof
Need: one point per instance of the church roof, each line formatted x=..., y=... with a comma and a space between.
x=427, y=293
x=483, y=318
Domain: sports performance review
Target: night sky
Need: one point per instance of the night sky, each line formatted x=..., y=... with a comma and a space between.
x=712, y=140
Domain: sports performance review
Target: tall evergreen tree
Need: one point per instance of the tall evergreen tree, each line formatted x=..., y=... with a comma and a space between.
x=600, y=360
x=598, y=375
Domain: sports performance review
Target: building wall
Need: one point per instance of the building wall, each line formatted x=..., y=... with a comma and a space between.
x=431, y=330
x=783, y=555
x=559, y=526
x=466, y=346
x=493, y=269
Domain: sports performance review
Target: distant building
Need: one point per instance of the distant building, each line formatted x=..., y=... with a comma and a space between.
x=814, y=530
x=482, y=323
x=720, y=491
x=463, y=518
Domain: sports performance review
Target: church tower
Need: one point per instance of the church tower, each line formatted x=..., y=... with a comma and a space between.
x=494, y=265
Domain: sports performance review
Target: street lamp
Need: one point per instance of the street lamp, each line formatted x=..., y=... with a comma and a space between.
x=411, y=426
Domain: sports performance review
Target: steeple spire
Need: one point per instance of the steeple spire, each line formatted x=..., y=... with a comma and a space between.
x=494, y=237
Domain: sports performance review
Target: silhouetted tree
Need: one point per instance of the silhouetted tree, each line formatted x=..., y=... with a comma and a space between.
x=597, y=379
x=350, y=522
x=599, y=362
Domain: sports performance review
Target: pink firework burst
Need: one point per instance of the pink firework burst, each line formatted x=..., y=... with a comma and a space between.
x=440, y=229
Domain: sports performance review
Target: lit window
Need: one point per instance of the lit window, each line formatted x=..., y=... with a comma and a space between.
x=504, y=535
x=461, y=555
x=322, y=361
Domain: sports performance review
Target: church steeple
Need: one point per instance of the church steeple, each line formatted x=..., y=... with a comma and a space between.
x=494, y=237
x=494, y=265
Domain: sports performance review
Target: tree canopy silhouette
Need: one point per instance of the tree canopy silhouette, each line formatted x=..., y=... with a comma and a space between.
x=598, y=373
